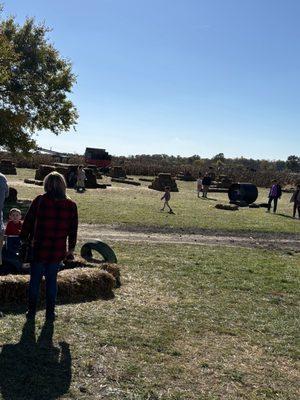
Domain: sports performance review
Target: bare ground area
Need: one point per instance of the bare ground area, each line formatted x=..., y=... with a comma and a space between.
x=196, y=237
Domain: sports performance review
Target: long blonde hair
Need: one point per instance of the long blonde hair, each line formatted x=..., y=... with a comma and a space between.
x=55, y=185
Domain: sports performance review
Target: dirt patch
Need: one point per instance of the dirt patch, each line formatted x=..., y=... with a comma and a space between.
x=157, y=235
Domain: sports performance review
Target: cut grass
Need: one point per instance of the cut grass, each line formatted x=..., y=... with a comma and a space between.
x=188, y=323
x=139, y=206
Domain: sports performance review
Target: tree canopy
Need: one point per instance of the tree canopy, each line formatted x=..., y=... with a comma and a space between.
x=34, y=85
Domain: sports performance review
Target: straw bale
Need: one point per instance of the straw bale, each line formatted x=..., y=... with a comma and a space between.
x=117, y=172
x=74, y=285
x=128, y=182
x=229, y=207
x=43, y=171
x=163, y=180
x=8, y=168
x=33, y=182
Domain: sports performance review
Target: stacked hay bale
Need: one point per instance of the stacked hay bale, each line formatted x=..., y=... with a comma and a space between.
x=43, y=171
x=117, y=172
x=163, y=180
x=185, y=176
x=7, y=167
x=91, y=179
x=74, y=285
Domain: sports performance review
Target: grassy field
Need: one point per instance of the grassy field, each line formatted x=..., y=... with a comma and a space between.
x=188, y=323
x=140, y=206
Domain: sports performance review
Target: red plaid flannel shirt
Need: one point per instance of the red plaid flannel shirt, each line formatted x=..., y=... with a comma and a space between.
x=49, y=223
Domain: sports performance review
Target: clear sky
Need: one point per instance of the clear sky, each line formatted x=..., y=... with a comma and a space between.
x=179, y=77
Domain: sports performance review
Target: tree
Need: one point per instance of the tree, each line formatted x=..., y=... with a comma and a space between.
x=34, y=83
x=293, y=163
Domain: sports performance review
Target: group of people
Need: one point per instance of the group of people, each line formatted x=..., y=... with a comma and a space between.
x=50, y=231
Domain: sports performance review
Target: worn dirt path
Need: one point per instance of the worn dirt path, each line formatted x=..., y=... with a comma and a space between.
x=160, y=235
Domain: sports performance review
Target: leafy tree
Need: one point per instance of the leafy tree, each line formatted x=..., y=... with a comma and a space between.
x=34, y=83
x=219, y=157
x=293, y=163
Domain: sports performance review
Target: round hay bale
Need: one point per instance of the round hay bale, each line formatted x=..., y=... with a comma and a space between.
x=74, y=285
x=228, y=207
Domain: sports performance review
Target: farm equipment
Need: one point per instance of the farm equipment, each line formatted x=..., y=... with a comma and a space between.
x=98, y=157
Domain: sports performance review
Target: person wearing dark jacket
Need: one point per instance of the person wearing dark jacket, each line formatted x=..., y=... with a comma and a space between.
x=296, y=200
x=50, y=223
x=274, y=195
x=206, y=182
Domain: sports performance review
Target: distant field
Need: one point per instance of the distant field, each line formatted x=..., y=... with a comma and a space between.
x=129, y=205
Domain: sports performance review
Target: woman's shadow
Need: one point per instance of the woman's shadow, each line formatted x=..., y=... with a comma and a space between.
x=33, y=369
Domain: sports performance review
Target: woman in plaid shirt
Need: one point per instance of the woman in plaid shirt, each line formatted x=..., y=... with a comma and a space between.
x=50, y=223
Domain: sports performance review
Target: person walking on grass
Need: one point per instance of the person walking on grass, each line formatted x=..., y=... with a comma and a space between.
x=166, y=197
x=50, y=222
x=199, y=185
x=81, y=178
x=274, y=195
x=3, y=194
x=206, y=182
x=296, y=200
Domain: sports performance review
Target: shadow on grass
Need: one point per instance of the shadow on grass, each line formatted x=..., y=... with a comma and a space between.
x=284, y=215
x=35, y=369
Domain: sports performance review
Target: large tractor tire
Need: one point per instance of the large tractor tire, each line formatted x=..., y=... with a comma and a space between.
x=102, y=248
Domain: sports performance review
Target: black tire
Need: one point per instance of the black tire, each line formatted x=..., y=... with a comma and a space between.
x=102, y=248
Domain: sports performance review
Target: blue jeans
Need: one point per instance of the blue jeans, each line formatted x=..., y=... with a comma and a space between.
x=37, y=271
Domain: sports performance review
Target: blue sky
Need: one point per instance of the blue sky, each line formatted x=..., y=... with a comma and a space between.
x=179, y=77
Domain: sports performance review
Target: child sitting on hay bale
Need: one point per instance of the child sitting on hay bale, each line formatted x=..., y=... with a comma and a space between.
x=12, y=240
x=3, y=194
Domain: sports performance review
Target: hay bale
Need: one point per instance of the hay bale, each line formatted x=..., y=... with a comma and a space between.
x=186, y=176
x=145, y=179
x=74, y=285
x=126, y=181
x=163, y=180
x=7, y=167
x=253, y=205
x=229, y=207
x=91, y=179
x=117, y=172
x=34, y=182
x=43, y=171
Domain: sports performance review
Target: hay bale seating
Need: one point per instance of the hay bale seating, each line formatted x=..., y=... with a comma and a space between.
x=7, y=167
x=128, y=182
x=117, y=172
x=229, y=207
x=33, y=182
x=43, y=171
x=74, y=285
x=163, y=180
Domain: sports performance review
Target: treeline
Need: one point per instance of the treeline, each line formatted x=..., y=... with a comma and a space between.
x=260, y=172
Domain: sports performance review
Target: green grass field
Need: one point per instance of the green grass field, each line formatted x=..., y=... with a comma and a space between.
x=188, y=323
x=139, y=206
